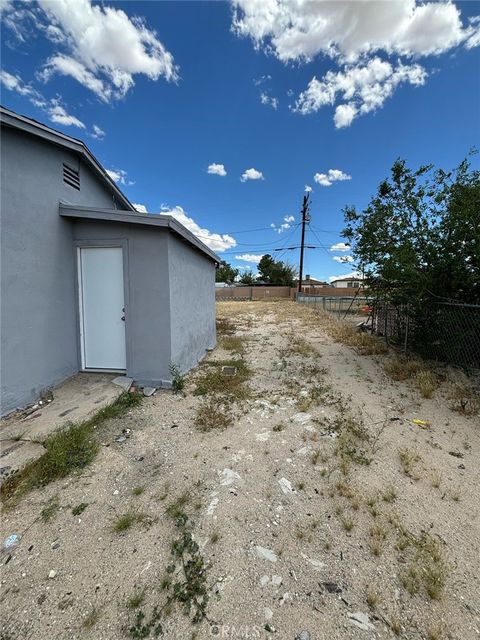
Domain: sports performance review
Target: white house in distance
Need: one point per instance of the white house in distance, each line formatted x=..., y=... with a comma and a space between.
x=349, y=281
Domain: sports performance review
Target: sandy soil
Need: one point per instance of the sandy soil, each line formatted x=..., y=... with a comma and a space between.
x=295, y=537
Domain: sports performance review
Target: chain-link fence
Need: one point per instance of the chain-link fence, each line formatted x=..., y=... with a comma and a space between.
x=444, y=331
x=346, y=306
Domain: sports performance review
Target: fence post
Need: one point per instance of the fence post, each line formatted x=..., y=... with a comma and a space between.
x=405, y=346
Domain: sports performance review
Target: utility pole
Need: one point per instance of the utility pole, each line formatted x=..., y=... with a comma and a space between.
x=305, y=219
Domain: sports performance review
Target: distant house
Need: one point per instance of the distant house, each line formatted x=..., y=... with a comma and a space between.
x=87, y=282
x=310, y=283
x=350, y=282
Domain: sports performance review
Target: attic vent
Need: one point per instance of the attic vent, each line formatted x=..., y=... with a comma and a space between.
x=71, y=177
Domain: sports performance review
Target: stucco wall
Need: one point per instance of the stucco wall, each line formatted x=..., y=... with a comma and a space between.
x=147, y=310
x=38, y=314
x=192, y=303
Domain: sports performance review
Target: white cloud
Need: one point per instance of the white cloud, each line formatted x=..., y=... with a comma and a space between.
x=258, y=81
x=352, y=274
x=120, y=176
x=354, y=35
x=57, y=114
x=217, y=242
x=363, y=87
x=340, y=246
x=251, y=174
x=269, y=100
x=344, y=30
x=68, y=66
x=141, y=208
x=97, y=132
x=54, y=108
x=249, y=257
x=333, y=175
x=15, y=83
x=216, y=169
x=344, y=115
x=308, y=188
x=343, y=259
x=103, y=47
x=286, y=224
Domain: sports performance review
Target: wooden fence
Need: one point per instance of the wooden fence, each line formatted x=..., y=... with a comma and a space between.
x=264, y=292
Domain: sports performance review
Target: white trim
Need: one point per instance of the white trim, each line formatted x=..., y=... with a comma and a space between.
x=80, y=307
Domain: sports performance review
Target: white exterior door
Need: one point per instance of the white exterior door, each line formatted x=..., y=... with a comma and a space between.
x=102, y=307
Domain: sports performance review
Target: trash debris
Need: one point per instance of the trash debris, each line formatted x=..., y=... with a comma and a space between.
x=11, y=543
x=229, y=371
x=421, y=423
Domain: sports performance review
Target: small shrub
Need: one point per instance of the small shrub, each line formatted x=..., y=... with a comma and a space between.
x=402, y=367
x=136, y=599
x=210, y=415
x=235, y=344
x=128, y=519
x=178, y=380
x=80, y=508
x=50, y=510
x=464, y=399
x=213, y=380
x=427, y=383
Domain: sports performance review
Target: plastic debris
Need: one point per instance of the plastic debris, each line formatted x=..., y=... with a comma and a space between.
x=11, y=542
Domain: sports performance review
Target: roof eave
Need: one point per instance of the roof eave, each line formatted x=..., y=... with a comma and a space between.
x=17, y=121
x=135, y=217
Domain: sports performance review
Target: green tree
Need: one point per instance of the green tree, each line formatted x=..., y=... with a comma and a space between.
x=276, y=272
x=247, y=278
x=420, y=235
x=265, y=268
x=225, y=272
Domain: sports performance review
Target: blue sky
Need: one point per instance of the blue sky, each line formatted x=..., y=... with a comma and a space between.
x=324, y=95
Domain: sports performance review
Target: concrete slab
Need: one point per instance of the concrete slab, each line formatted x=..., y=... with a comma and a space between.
x=124, y=382
x=15, y=454
x=75, y=400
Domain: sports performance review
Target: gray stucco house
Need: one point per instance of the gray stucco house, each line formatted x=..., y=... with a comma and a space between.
x=87, y=282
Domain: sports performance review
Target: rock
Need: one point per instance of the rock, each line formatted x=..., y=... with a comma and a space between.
x=228, y=477
x=124, y=382
x=268, y=613
x=52, y=574
x=361, y=620
x=265, y=554
x=318, y=564
x=301, y=418
x=285, y=485
x=55, y=545
x=277, y=581
x=120, y=439
x=213, y=504
x=303, y=635
x=148, y=391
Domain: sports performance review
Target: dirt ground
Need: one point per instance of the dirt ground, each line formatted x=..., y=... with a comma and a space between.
x=323, y=511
